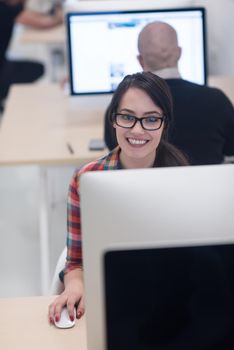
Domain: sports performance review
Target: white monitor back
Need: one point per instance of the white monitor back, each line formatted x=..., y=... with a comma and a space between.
x=149, y=208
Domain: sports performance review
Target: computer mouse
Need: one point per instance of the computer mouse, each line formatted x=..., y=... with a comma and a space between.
x=65, y=321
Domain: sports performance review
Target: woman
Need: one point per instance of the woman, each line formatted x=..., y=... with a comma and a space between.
x=141, y=112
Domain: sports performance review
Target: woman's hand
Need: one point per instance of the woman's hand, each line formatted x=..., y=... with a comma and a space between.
x=73, y=295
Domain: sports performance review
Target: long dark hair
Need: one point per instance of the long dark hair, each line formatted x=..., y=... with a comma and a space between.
x=157, y=89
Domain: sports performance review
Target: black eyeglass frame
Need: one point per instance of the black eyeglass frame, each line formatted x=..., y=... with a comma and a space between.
x=140, y=120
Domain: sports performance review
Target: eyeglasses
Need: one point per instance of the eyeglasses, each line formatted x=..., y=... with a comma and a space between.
x=150, y=123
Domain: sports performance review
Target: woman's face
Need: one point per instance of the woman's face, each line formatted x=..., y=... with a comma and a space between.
x=138, y=146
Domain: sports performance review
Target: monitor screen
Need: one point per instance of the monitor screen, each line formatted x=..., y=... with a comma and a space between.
x=102, y=46
x=175, y=298
x=162, y=210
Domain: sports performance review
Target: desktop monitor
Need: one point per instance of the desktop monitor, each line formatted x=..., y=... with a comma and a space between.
x=132, y=219
x=102, y=46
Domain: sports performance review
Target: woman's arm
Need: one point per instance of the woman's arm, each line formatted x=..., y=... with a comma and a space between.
x=73, y=295
x=39, y=20
x=72, y=274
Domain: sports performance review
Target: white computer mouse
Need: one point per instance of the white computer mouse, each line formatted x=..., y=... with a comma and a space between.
x=65, y=321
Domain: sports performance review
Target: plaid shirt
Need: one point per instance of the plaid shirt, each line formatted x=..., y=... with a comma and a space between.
x=74, y=236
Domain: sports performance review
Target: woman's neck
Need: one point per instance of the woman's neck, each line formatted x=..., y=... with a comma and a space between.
x=135, y=163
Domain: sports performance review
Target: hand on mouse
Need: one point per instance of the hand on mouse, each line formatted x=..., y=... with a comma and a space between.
x=65, y=321
x=73, y=295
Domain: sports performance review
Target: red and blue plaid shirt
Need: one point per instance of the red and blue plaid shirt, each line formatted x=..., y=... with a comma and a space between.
x=74, y=236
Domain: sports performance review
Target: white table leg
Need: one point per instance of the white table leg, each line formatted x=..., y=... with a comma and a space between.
x=44, y=233
x=56, y=65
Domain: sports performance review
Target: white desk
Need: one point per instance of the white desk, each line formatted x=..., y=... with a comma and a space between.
x=40, y=120
x=52, y=36
x=24, y=325
x=37, y=126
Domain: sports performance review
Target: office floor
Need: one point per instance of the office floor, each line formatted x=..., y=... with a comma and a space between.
x=19, y=194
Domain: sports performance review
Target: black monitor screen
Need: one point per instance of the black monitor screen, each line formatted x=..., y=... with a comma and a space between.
x=170, y=298
x=102, y=46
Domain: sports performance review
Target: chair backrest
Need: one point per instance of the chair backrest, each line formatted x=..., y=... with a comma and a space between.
x=57, y=286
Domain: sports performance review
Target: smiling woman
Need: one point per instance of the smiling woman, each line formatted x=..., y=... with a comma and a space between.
x=141, y=113
x=140, y=138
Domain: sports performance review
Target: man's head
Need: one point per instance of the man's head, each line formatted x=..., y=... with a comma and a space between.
x=158, y=47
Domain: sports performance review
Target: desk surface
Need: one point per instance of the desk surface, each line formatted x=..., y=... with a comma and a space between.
x=24, y=325
x=39, y=122
x=51, y=36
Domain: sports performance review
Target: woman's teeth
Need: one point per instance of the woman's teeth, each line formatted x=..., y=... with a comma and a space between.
x=136, y=142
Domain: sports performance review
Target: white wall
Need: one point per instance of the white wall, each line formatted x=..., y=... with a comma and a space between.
x=220, y=18
x=126, y=4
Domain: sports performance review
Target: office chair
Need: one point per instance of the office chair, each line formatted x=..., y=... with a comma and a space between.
x=57, y=286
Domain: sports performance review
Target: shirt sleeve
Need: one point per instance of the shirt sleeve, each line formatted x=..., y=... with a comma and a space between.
x=74, y=243
x=74, y=250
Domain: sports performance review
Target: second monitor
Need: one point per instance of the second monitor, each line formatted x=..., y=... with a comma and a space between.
x=102, y=46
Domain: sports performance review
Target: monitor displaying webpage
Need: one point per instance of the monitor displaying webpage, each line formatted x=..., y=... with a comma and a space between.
x=103, y=46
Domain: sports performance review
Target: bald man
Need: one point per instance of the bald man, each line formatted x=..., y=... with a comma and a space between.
x=203, y=116
x=158, y=49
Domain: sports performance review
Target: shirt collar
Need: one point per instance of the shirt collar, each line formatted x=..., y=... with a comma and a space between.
x=112, y=161
x=168, y=73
